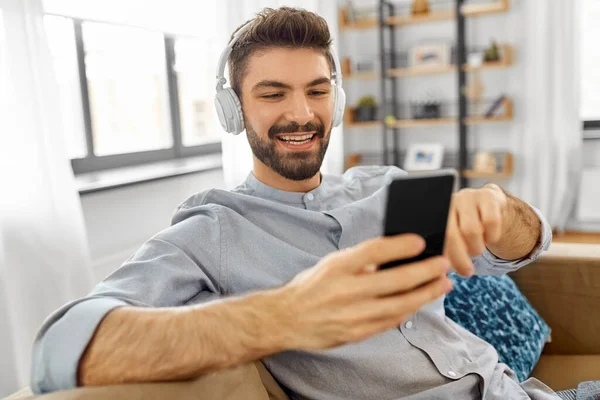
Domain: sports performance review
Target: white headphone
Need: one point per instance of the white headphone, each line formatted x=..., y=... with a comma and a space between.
x=229, y=108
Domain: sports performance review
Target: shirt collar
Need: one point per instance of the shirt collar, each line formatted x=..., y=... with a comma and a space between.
x=270, y=193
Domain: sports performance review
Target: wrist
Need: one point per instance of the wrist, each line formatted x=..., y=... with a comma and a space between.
x=262, y=321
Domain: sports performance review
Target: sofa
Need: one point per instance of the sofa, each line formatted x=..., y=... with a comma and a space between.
x=563, y=285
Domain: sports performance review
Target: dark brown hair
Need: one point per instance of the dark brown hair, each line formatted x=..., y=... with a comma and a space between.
x=283, y=27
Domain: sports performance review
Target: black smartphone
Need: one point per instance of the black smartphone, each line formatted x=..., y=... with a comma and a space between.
x=419, y=203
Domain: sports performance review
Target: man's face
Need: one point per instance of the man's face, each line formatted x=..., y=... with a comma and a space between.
x=287, y=101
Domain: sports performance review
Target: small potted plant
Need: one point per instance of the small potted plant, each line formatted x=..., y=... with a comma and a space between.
x=492, y=53
x=366, y=109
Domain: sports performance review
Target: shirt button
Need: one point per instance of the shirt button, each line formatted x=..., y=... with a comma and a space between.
x=408, y=324
x=310, y=197
x=452, y=373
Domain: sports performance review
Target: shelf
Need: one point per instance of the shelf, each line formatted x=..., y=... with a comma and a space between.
x=355, y=159
x=366, y=124
x=362, y=75
x=488, y=120
x=469, y=10
x=419, y=123
x=505, y=62
x=363, y=23
x=470, y=174
x=367, y=23
x=421, y=19
x=416, y=71
x=476, y=10
x=422, y=123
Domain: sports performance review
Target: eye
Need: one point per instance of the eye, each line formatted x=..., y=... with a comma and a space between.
x=272, y=96
x=318, y=92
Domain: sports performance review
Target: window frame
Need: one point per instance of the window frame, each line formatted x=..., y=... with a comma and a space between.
x=91, y=162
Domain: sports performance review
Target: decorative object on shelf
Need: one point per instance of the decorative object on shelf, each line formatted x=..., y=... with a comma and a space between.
x=485, y=162
x=495, y=106
x=424, y=157
x=430, y=55
x=350, y=13
x=420, y=7
x=430, y=108
x=390, y=120
x=366, y=109
x=492, y=54
x=365, y=65
x=475, y=59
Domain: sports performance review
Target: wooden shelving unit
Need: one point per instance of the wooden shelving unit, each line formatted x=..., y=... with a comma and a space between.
x=397, y=16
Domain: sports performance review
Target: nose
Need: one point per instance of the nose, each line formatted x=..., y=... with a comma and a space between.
x=300, y=110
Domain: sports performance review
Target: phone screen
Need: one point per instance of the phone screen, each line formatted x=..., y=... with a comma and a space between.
x=420, y=204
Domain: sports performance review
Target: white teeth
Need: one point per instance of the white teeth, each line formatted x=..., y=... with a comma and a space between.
x=294, y=142
x=297, y=138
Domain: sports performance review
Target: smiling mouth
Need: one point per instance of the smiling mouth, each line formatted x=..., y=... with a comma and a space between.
x=297, y=138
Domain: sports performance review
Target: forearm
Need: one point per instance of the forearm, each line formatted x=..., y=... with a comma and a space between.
x=521, y=231
x=141, y=345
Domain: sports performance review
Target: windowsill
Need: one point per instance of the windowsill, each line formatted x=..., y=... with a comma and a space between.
x=120, y=177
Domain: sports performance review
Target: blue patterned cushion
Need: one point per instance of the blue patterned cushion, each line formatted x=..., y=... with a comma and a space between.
x=493, y=308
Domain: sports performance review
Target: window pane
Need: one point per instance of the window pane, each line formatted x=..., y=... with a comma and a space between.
x=590, y=59
x=61, y=41
x=196, y=86
x=128, y=93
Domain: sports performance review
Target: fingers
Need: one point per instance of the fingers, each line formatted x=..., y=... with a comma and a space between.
x=385, y=313
x=491, y=219
x=469, y=224
x=403, y=278
x=378, y=251
x=456, y=250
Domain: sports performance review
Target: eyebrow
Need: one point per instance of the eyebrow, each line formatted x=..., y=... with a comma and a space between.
x=281, y=85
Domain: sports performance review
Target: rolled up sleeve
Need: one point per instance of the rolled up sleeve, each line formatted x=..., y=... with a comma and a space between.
x=177, y=266
x=490, y=264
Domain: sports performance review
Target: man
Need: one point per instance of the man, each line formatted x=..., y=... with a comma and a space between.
x=284, y=267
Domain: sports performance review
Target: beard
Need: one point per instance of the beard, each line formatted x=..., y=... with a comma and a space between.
x=293, y=165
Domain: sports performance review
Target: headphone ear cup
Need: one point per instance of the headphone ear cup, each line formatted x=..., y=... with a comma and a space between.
x=339, y=106
x=229, y=110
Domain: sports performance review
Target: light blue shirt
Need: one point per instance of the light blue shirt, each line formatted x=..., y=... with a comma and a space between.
x=223, y=243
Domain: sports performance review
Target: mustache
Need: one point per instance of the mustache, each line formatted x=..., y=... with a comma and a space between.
x=293, y=127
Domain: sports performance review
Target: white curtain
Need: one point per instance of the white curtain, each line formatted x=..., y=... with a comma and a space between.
x=551, y=143
x=237, y=156
x=44, y=258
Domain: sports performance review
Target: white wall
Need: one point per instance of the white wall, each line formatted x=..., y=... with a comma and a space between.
x=120, y=220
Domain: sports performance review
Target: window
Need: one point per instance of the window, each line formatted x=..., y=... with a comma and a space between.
x=132, y=95
x=196, y=84
x=590, y=60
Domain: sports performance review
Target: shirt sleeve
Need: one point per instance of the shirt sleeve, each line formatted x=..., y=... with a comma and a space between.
x=176, y=266
x=489, y=264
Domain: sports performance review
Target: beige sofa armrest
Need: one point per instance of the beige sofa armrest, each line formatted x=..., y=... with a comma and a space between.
x=564, y=287
x=248, y=382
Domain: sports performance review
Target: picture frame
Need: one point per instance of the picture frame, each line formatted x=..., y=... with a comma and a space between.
x=424, y=157
x=430, y=55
